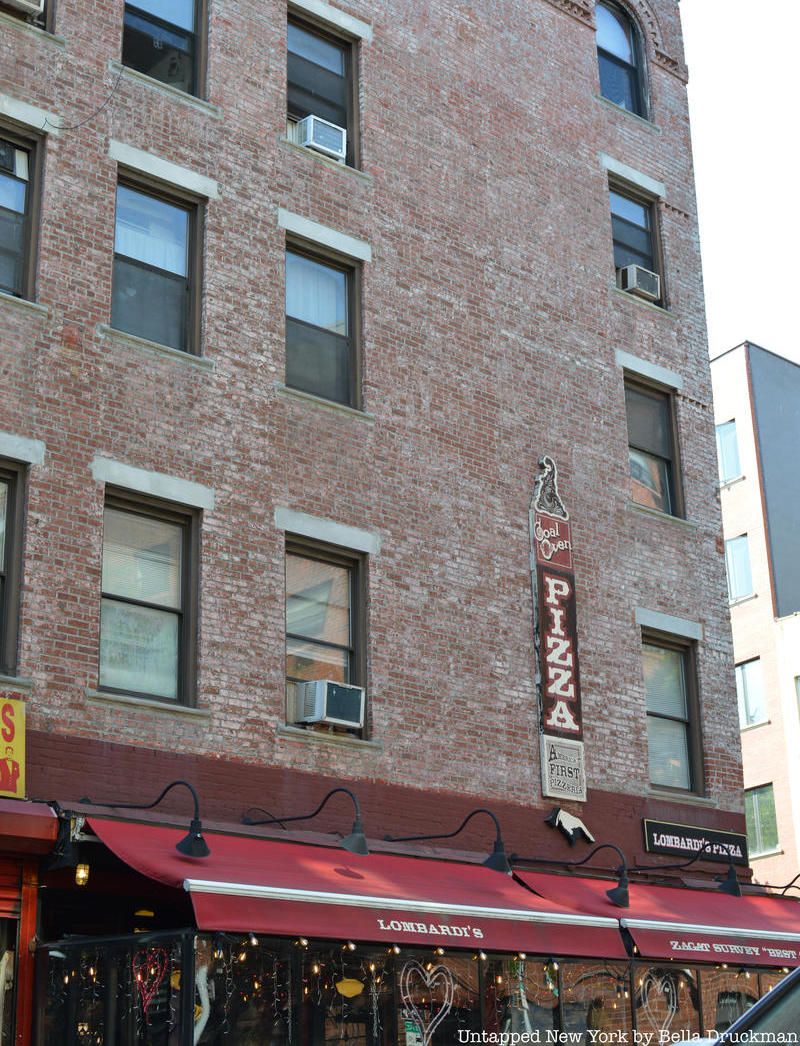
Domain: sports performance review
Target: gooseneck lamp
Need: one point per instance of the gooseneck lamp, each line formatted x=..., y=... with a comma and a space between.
x=355, y=842
x=193, y=844
x=618, y=895
x=497, y=859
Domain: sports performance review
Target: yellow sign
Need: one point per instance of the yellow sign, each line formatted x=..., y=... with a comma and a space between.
x=12, y=748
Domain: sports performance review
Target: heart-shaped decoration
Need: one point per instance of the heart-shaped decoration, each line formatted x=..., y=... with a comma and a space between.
x=659, y=994
x=149, y=969
x=437, y=981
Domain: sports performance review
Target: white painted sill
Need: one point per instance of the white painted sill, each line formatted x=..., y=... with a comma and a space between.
x=99, y=697
x=767, y=853
x=155, y=348
x=297, y=733
x=689, y=798
x=285, y=392
x=15, y=683
x=665, y=517
x=754, y=726
x=742, y=599
x=659, y=310
x=328, y=161
x=732, y=482
x=124, y=72
x=634, y=116
x=22, y=303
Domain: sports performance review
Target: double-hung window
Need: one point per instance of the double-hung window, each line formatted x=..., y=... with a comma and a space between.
x=321, y=327
x=750, y=693
x=11, y=479
x=320, y=80
x=324, y=615
x=672, y=728
x=147, y=620
x=762, y=823
x=619, y=56
x=633, y=227
x=155, y=294
x=17, y=169
x=737, y=561
x=652, y=451
x=162, y=38
x=728, y=452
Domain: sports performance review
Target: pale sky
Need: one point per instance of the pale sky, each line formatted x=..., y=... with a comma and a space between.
x=744, y=99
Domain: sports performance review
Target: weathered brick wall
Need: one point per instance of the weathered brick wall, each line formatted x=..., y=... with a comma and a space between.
x=490, y=328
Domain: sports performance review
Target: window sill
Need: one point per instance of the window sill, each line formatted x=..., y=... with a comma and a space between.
x=297, y=733
x=659, y=310
x=742, y=599
x=15, y=683
x=328, y=161
x=34, y=30
x=125, y=72
x=755, y=726
x=635, y=116
x=24, y=304
x=285, y=392
x=691, y=798
x=767, y=853
x=665, y=517
x=732, y=482
x=153, y=347
x=99, y=697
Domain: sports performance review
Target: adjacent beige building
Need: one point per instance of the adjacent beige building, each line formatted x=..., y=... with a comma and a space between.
x=757, y=414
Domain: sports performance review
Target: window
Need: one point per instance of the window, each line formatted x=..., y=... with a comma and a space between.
x=147, y=619
x=633, y=231
x=11, y=499
x=156, y=263
x=320, y=80
x=162, y=38
x=619, y=56
x=17, y=252
x=750, y=693
x=652, y=452
x=320, y=327
x=728, y=452
x=324, y=615
x=27, y=12
x=762, y=824
x=672, y=736
x=737, y=561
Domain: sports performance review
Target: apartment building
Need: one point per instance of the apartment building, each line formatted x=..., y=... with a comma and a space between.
x=756, y=396
x=357, y=456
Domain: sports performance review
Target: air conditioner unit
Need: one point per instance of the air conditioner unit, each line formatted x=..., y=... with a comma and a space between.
x=323, y=701
x=639, y=281
x=323, y=136
x=30, y=7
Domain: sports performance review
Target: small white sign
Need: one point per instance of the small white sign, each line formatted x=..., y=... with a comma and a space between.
x=563, y=770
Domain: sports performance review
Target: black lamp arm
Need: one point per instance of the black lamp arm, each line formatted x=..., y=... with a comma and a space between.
x=307, y=817
x=155, y=802
x=574, y=864
x=704, y=849
x=448, y=835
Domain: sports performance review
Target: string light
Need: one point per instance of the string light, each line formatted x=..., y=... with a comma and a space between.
x=253, y=941
x=395, y=949
x=350, y=947
x=438, y=951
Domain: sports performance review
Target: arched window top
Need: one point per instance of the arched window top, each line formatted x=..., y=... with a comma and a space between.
x=619, y=55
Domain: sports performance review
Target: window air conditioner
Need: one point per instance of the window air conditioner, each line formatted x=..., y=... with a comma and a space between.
x=639, y=281
x=323, y=701
x=323, y=136
x=30, y=7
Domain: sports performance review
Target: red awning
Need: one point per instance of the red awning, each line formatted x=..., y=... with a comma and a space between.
x=290, y=889
x=27, y=826
x=668, y=922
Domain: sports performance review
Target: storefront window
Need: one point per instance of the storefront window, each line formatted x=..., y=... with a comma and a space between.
x=597, y=997
x=438, y=997
x=346, y=996
x=521, y=995
x=727, y=994
x=666, y=998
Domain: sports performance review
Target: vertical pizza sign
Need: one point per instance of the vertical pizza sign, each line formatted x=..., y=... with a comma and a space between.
x=558, y=680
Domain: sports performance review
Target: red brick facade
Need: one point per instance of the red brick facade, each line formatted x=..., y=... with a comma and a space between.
x=490, y=326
